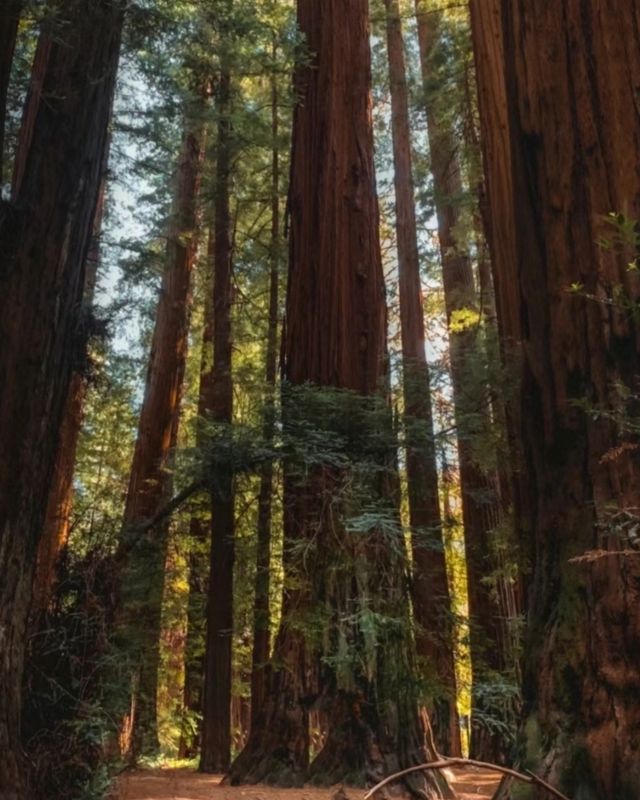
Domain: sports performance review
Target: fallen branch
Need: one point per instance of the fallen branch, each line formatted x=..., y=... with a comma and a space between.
x=444, y=763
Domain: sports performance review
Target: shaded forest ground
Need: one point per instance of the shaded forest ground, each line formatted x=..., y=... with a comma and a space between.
x=181, y=784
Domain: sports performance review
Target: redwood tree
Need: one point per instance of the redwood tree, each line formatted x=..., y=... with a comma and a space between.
x=482, y=505
x=571, y=72
x=32, y=103
x=44, y=239
x=498, y=211
x=431, y=597
x=55, y=534
x=334, y=337
x=261, y=615
x=149, y=483
x=215, y=752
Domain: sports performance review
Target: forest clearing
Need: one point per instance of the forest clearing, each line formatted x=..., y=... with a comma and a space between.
x=319, y=399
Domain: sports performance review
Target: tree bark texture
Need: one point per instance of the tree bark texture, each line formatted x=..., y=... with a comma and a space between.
x=335, y=336
x=44, y=239
x=261, y=611
x=572, y=75
x=149, y=483
x=57, y=523
x=32, y=103
x=215, y=754
x=8, y=34
x=58, y=517
x=431, y=596
x=498, y=214
x=488, y=46
x=338, y=336
x=482, y=506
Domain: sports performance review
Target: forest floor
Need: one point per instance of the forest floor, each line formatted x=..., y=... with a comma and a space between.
x=181, y=784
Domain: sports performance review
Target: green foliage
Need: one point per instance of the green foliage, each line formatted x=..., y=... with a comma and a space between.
x=344, y=449
x=104, y=455
x=66, y=726
x=499, y=703
x=17, y=90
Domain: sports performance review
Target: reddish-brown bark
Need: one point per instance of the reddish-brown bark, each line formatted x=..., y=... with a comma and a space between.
x=335, y=329
x=149, y=483
x=57, y=523
x=261, y=611
x=8, y=34
x=572, y=71
x=44, y=241
x=215, y=754
x=488, y=46
x=335, y=336
x=32, y=104
x=431, y=597
x=59, y=505
x=58, y=517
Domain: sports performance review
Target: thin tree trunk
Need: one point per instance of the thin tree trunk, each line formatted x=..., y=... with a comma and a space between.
x=431, y=596
x=572, y=70
x=44, y=239
x=149, y=484
x=191, y=733
x=335, y=336
x=215, y=754
x=261, y=615
x=8, y=35
x=481, y=501
x=199, y=534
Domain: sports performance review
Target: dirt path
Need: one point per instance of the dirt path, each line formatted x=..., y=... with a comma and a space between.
x=475, y=784
x=171, y=784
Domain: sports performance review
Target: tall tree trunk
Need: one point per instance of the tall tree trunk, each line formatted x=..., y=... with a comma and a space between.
x=335, y=336
x=199, y=534
x=572, y=71
x=8, y=34
x=261, y=610
x=482, y=506
x=57, y=522
x=488, y=46
x=32, y=103
x=431, y=597
x=44, y=240
x=149, y=484
x=58, y=517
x=215, y=754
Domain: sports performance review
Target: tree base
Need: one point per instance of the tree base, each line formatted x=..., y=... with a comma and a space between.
x=597, y=765
x=260, y=763
x=486, y=746
x=357, y=754
x=276, y=752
